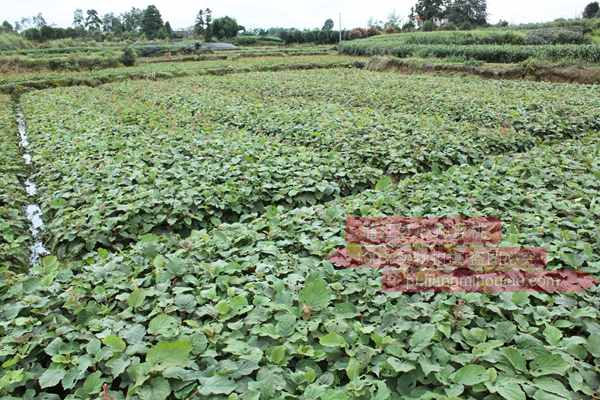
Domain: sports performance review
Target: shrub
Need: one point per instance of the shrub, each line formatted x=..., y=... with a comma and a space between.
x=555, y=36
x=357, y=33
x=428, y=26
x=251, y=40
x=128, y=58
x=372, y=31
x=473, y=63
x=408, y=27
x=11, y=41
x=592, y=10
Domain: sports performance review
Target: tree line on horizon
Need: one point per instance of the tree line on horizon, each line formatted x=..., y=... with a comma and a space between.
x=425, y=15
x=132, y=24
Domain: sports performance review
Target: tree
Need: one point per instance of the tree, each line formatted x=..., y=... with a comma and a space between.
x=409, y=26
x=225, y=27
x=151, y=22
x=467, y=12
x=592, y=10
x=393, y=23
x=93, y=23
x=24, y=24
x=168, y=30
x=374, y=24
x=78, y=19
x=328, y=25
x=199, y=26
x=132, y=20
x=428, y=10
x=111, y=23
x=39, y=21
x=208, y=24
x=6, y=27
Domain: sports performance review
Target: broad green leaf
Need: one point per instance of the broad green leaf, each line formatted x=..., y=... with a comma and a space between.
x=52, y=376
x=422, y=337
x=542, y=395
x=315, y=293
x=338, y=394
x=277, y=354
x=353, y=369
x=470, y=375
x=515, y=357
x=383, y=392
x=549, y=364
x=511, y=391
x=157, y=389
x=384, y=184
x=92, y=383
x=116, y=344
x=552, y=335
x=332, y=340
x=483, y=349
x=593, y=344
x=11, y=378
x=170, y=354
x=164, y=325
x=118, y=364
x=136, y=298
x=216, y=385
x=551, y=385
x=400, y=366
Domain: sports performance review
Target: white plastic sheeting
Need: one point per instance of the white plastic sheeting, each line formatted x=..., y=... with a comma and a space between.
x=33, y=211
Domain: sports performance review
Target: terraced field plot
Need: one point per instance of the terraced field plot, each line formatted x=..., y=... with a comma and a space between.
x=495, y=46
x=161, y=70
x=191, y=219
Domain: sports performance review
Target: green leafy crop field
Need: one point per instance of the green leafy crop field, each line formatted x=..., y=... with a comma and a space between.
x=507, y=53
x=190, y=221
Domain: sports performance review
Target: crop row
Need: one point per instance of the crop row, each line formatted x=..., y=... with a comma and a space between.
x=541, y=109
x=14, y=235
x=44, y=52
x=72, y=63
x=291, y=142
x=482, y=37
x=235, y=55
x=487, y=53
x=110, y=172
x=255, y=309
x=87, y=62
x=400, y=144
x=11, y=82
x=319, y=108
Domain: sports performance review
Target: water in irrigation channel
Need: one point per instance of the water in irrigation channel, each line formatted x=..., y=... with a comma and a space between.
x=33, y=211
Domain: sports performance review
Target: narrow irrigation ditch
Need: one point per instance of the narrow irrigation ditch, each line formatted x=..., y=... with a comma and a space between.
x=33, y=211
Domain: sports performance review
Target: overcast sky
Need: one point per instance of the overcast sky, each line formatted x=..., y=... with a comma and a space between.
x=267, y=13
